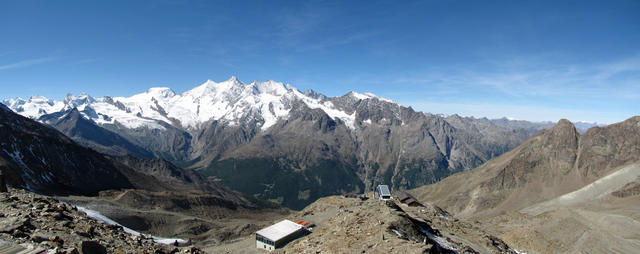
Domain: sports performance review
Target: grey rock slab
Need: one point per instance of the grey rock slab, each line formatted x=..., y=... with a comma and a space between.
x=8, y=225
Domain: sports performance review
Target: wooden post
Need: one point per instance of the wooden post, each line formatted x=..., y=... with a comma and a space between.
x=3, y=184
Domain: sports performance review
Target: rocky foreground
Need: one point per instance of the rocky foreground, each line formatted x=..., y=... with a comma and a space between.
x=43, y=224
x=352, y=225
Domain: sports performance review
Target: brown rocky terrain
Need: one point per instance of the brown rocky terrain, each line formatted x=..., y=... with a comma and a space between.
x=550, y=164
x=352, y=225
x=206, y=219
x=38, y=223
x=602, y=217
x=559, y=192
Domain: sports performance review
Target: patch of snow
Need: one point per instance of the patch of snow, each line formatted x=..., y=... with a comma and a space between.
x=359, y=96
x=17, y=158
x=47, y=177
x=331, y=110
x=368, y=96
x=378, y=97
x=439, y=240
x=397, y=233
x=518, y=252
x=98, y=216
x=35, y=107
x=128, y=119
x=161, y=92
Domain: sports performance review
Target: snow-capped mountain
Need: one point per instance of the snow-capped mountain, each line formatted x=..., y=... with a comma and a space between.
x=229, y=101
x=271, y=140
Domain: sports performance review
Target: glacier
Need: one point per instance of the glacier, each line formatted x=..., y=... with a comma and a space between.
x=228, y=101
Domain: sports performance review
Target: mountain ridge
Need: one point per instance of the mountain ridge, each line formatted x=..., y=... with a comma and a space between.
x=38, y=106
x=550, y=164
x=232, y=131
x=558, y=192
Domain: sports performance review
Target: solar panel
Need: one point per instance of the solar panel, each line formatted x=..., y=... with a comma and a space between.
x=384, y=190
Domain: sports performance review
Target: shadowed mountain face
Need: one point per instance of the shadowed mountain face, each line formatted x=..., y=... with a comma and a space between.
x=87, y=133
x=270, y=140
x=553, y=163
x=39, y=158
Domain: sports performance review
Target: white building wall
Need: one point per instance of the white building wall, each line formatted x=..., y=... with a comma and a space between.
x=264, y=246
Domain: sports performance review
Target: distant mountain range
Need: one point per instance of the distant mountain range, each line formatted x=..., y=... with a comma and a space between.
x=273, y=141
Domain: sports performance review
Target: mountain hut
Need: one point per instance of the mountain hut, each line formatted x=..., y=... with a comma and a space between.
x=278, y=235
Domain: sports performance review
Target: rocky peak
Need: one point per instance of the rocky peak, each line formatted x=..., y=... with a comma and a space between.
x=81, y=101
x=608, y=147
x=271, y=87
x=14, y=103
x=633, y=121
x=73, y=114
x=210, y=87
x=234, y=79
x=315, y=95
x=563, y=134
x=161, y=92
x=563, y=124
x=40, y=99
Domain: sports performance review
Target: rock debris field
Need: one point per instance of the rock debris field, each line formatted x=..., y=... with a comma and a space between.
x=39, y=224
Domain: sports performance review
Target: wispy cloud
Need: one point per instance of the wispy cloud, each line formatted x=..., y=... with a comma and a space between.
x=527, y=78
x=313, y=27
x=530, y=89
x=86, y=61
x=579, y=80
x=610, y=70
x=530, y=112
x=26, y=63
x=5, y=53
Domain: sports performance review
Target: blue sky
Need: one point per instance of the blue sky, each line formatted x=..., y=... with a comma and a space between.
x=531, y=60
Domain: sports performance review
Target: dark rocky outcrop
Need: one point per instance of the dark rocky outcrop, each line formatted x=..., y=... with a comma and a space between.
x=38, y=157
x=89, y=134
